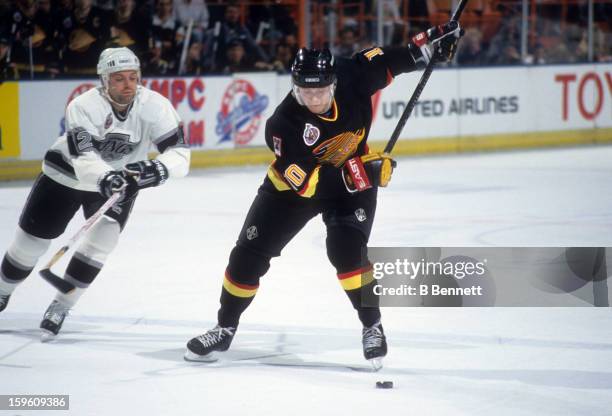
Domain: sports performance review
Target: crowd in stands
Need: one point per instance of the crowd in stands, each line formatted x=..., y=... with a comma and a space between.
x=63, y=38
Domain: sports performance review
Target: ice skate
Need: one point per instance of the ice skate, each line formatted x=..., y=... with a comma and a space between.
x=206, y=347
x=53, y=320
x=374, y=345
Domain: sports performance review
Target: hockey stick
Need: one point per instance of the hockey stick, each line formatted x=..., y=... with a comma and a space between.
x=46, y=273
x=418, y=90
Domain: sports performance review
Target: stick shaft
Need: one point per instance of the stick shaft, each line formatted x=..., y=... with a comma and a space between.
x=88, y=224
x=418, y=90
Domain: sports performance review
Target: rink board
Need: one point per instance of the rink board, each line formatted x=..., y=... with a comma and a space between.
x=460, y=110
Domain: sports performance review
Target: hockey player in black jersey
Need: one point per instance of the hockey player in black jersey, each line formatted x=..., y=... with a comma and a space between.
x=323, y=166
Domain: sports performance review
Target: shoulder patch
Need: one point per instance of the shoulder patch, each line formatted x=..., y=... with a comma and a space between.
x=109, y=121
x=277, y=145
x=372, y=53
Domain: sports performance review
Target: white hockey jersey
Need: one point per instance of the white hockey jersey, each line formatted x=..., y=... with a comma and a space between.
x=98, y=139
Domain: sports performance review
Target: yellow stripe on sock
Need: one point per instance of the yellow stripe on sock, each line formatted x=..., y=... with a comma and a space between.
x=357, y=279
x=239, y=290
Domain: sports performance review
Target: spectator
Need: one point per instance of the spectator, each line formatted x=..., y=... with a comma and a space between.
x=44, y=42
x=284, y=58
x=558, y=54
x=230, y=29
x=29, y=30
x=84, y=34
x=7, y=70
x=193, y=60
x=348, y=43
x=470, y=48
x=418, y=13
x=510, y=56
x=236, y=59
x=539, y=55
x=166, y=32
x=393, y=26
x=196, y=10
x=603, y=45
x=577, y=43
x=19, y=25
x=130, y=29
x=506, y=42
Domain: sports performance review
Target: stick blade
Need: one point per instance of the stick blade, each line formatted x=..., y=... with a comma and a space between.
x=56, y=281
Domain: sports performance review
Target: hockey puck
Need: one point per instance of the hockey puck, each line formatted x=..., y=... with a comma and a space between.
x=384, y=384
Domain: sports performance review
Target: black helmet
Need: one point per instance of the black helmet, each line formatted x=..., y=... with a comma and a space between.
x=313, y=68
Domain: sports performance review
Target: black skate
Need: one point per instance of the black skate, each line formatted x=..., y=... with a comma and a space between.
x=53, y=320
x=374, y=345
x=4, y=301
x=206, y=346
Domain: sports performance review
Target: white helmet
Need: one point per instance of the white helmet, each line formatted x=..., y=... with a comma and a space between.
x=115, y=60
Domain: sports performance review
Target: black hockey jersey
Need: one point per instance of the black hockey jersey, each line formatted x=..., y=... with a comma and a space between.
x=311, y=149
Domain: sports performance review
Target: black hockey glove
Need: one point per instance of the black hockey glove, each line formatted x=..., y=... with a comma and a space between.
x=364, y=172
x=148, y=173
x=439, y=41
x=118, y=181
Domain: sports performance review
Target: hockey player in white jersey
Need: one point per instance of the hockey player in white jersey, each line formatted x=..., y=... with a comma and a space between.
x=109, y=132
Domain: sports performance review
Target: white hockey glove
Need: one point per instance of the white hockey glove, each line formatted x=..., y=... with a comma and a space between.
x=148, y=173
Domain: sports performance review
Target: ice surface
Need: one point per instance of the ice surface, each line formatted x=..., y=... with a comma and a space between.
x=298, y=348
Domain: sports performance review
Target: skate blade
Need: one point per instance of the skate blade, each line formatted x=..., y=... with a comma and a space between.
x=46, y=335
x=208, y=358
x=376, y=363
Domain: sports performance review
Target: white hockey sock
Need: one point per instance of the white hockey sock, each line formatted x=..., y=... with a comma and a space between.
x=70, y=299
x=6, y=288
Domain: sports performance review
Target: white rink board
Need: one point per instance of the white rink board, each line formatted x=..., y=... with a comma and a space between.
x=199, y=102
x=455, y=103
x=507, y=100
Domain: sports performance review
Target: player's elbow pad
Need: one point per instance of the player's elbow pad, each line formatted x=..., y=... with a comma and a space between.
x=402, y=59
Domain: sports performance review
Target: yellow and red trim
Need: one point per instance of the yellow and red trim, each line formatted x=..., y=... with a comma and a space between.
x=334, y=116
x=311, y=186
x=276, y=179
x=356, y=278
x=239, y=289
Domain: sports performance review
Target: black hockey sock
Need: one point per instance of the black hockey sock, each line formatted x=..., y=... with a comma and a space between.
x=356, y=283
x=13, y=272
x=82, y=270
x=235, y=298
x=368, y=315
